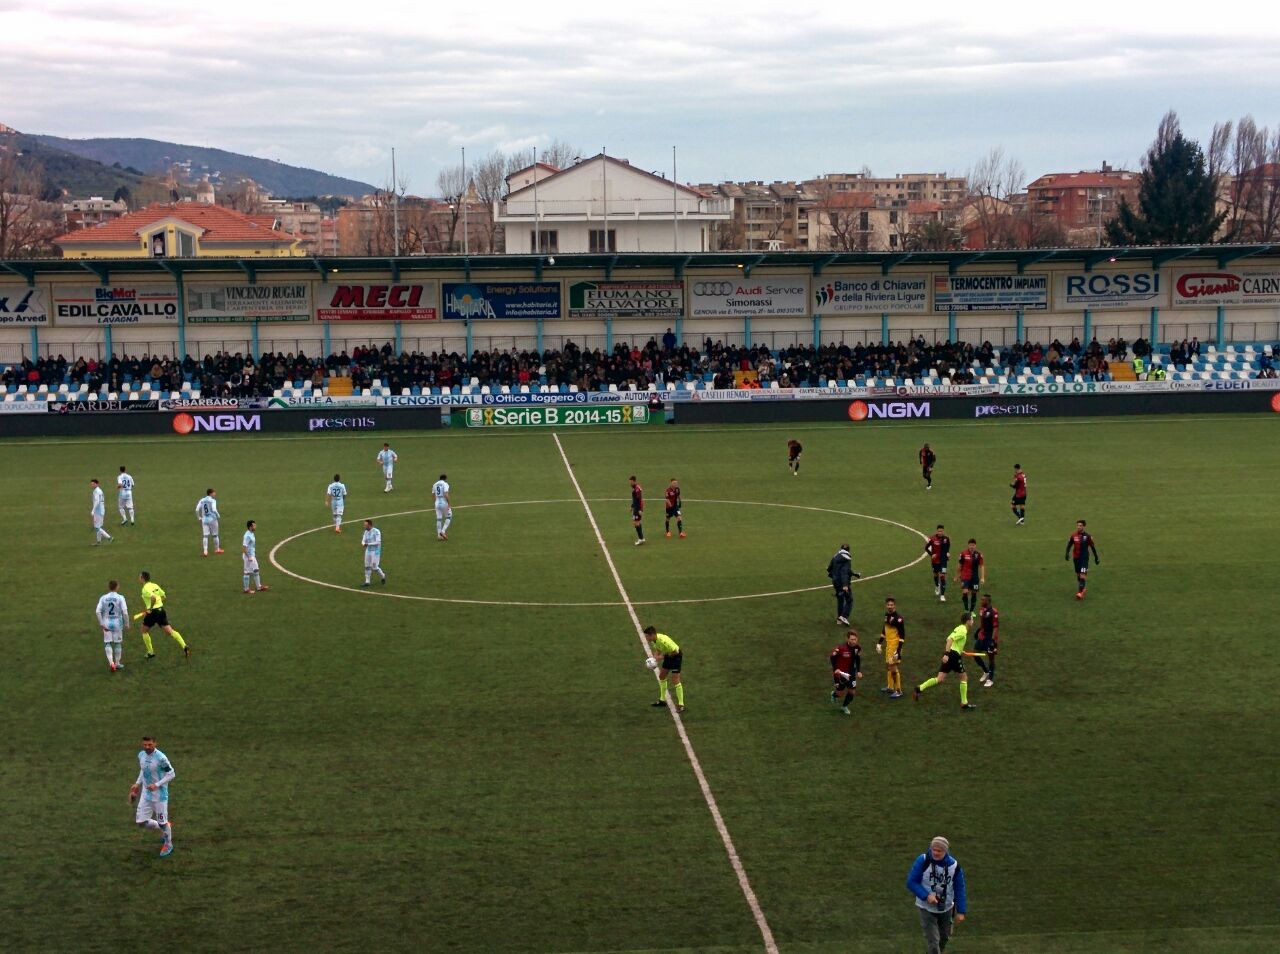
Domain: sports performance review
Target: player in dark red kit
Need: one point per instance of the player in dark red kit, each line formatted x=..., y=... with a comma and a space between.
x=674, y=508
x=637, y=509
x=988, y=640
x=938, y=547
x=793, y=457
x=927, y=459
x=846, y=669
x=973, y=574
x=1079, y=546
x=1019, y=502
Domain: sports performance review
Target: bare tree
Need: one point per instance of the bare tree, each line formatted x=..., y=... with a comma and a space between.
x=451, y=187
x=27, y=223
x=1247, y=170
x=489, y=182
x=841, y=217
x=994, y=180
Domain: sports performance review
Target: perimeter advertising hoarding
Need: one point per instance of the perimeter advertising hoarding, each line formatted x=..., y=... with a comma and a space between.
x=1209, y=287
x=226, y=423
x=871, y=294
x=23, y=305
x=740, y=297
x=991, y=292
x=632, y=299
x=501, y=300
x=373, y=301
x=1126, y=288
x=209, y=303
x=81, y=305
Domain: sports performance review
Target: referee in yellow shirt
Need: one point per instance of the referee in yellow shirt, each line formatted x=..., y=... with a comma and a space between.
x=953, y=661
x=156, y=615
x=670, y=664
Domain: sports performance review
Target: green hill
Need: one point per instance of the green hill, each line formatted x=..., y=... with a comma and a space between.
x=79, y=176
x=153, y=156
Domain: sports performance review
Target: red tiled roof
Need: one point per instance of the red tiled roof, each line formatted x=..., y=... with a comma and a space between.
x=1069, y=180
x=920, y=206
x=218, y=226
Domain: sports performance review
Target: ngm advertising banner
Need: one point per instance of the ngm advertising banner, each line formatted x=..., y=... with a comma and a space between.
x=741, y=297
x=400, y=301
x=514, y=300
x=1127, y=288
x=115, y=305
x=263, y=301
x=990, y=292
x=1226, y=286
x=635, y=299
x=871, y=294
x=23, y=305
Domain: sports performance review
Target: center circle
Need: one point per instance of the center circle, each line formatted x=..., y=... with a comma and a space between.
x=354, y=525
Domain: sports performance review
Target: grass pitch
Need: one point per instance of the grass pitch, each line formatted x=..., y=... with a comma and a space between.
x=381, y=771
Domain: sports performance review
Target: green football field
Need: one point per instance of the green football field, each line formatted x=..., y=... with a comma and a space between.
x=467, y=759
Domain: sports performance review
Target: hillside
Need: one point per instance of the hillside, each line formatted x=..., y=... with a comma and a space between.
x=153, y=156
x=78, y=175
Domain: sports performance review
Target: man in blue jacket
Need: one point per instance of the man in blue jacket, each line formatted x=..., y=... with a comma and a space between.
x=840, y=572
x=937, y=881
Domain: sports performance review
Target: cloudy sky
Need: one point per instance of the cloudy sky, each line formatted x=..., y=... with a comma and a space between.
x=744, y=90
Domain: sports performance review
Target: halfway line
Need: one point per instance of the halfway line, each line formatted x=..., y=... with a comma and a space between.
x=765, y=933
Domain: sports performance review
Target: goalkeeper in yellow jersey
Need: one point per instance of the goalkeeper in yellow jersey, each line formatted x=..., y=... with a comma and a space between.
x=155, y=614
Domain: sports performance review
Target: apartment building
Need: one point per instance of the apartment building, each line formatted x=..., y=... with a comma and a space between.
x=95, y=210
x=1082, y=202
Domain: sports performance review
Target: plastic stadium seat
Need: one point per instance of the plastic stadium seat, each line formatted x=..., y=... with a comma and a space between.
x=475, y=382
x=484, y=389
x=506, y=389
x=613, y=388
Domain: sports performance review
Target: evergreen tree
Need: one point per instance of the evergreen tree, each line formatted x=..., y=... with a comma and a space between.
x=1177, y=196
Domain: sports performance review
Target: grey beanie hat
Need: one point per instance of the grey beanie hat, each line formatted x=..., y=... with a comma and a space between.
x=941, y=840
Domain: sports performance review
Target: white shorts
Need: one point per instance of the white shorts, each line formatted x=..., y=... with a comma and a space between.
x=372, y=558
x=337, y=511
x=442, y=509
x=386, y=472
x=210, y=527
x=97, y=521
x=151, y=808
x=125, y=499
x=112, y=634
x=250, y=563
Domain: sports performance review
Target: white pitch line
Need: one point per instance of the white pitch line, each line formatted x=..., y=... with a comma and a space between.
x=766, y=934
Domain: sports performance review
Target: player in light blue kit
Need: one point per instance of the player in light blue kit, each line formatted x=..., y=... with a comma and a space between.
x=151, y=792
x=444, y=507
x=112, y=614
x=335, y=496
x=98, y=511
x=124, y=496
x=249, y=553
x=207, y=514
x=372, y=543
x=387, y=458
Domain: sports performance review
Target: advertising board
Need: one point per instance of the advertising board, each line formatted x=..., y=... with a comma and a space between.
x=209, y=303
x=990, y=292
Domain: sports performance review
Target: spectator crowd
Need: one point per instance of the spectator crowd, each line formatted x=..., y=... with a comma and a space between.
x=630, y=367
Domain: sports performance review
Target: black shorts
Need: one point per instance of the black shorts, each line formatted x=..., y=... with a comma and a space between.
x=671, y=661
x=842, y=684
x=988, y=646
x=637, y=514
x=970, y=584
x=1019, y=501
x=939, y=568
x=156, y=617
x=927, y=469
x=673, y=512
x=1082, y=566
x=953, y=662
x=793, y=455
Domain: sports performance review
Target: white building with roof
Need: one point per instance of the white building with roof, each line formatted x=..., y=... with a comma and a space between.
x=605, y=205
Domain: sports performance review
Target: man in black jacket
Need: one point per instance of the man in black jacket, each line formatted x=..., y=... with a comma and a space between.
x=840, y=572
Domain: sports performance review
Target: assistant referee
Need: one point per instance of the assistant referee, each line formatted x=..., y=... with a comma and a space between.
x=671, y=661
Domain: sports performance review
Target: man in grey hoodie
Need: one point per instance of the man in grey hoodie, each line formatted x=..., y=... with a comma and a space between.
x=937, y=881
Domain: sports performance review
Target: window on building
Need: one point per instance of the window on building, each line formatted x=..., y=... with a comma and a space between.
x=596, y=241
x=186, y=245
x=546, y=240
x=893, y=218
x=157, y=245
x=864, y=221
x=893, y=239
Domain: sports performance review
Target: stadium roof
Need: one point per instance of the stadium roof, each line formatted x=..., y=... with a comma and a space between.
x=610, y=264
